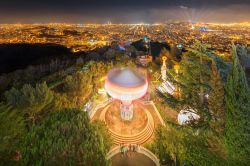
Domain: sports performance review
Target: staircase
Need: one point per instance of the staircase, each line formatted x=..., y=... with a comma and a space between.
x=139, y=138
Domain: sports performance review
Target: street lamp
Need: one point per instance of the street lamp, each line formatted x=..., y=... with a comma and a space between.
x=177, y=69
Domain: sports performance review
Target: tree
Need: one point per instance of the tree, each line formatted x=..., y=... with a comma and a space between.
x=169, y=145
x=237, y=124
x=173, y=56
x=164, y=52
x=98, y=72
x=78, y=88
x=115, y=45
x=125, y=61
x=93, y=56
x=12, y=127
x=101, y=127
x=112, y=54
x=130, y=51
x=184, y=146
x=30, y=100
x=244, y=55
x=194, y=76
x=66, y=138
x=216, y=100
x=200, y=50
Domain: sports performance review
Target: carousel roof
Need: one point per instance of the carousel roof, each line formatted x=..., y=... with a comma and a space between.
x=126, y=77
x=126, y=84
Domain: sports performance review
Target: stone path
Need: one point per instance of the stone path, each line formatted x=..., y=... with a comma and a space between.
x=133, y=159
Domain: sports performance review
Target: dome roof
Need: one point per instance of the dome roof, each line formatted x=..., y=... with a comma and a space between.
x=126, y=77
x=126, y=84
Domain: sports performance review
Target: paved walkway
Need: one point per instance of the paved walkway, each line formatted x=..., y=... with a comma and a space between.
x=133, y=159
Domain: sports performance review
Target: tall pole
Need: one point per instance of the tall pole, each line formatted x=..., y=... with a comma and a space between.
x=177, y=69
x=164, y=68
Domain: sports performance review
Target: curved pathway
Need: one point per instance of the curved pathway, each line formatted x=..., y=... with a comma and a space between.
x=141, y=156
x=133, y=159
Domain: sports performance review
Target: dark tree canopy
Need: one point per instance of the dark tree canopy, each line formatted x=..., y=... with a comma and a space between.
x=216, y=100
x=237, y=128
x=183, y=146
x=19, y=56
x=30, y=100
x=194, y=76
x=12, y=127
x=66, y=138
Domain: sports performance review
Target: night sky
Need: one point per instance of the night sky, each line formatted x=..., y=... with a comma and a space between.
x=123, y=11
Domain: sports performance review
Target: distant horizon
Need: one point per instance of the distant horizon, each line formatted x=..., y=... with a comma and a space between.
x=124, y=11
x=115, y=23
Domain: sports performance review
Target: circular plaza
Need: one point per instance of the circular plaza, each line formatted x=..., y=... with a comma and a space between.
x=130, y=119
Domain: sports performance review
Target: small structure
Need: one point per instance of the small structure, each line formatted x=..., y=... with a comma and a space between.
x=186, y=116
x=167, y=87
x=126, y=85
x=144, y=60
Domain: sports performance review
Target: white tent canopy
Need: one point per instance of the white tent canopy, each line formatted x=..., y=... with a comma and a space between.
x=187, y=115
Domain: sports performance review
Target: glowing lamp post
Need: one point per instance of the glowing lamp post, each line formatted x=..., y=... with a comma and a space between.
x=126, y=85
x=164, y=68
x=177, y=68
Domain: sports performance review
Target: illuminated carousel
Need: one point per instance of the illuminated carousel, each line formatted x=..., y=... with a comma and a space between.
x=129, y=119
x=126, y=85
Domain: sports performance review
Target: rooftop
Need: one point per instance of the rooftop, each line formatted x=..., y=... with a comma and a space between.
x=126, y=77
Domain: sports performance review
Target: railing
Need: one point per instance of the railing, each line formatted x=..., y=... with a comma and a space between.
x=156, y=110
x=150, y=155
x=95, y=108
x=138, y=138
x=140, y=149
x=113, y=152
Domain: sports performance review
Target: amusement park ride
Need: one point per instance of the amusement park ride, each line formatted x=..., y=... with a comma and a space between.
x=126, y=85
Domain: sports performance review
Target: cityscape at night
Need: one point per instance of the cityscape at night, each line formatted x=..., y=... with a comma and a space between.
x=87, y=37
x=125, y=83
